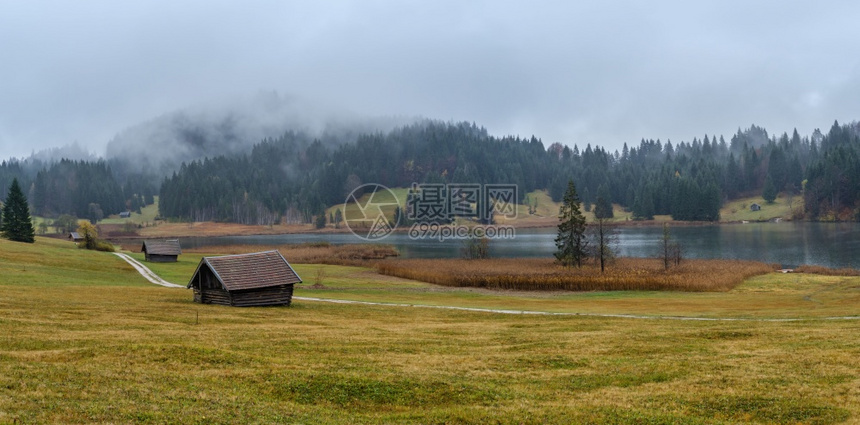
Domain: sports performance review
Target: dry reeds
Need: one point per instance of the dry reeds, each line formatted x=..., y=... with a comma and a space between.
x=826, y=271
x=537, y=274
x=315, y=252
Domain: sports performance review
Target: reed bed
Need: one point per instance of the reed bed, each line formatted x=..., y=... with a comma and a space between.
x=538, y=274
x=826, y=271
x=313, y=253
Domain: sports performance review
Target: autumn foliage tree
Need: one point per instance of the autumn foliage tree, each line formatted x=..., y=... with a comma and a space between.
x=90, y=235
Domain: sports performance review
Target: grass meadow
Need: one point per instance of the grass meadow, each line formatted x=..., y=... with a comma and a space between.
x=84, y=339
x=783, y=207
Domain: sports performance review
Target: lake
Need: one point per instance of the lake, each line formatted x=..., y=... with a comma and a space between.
x=790, y=244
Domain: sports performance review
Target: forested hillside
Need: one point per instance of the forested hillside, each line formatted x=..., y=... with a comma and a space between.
x=296, y=176
x=85, y=189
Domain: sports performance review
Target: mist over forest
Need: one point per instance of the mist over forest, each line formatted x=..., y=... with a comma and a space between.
x=270, y=159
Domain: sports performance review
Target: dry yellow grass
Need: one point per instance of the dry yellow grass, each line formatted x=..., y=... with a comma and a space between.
x=83, y=339
x=138, y=355
x=538, y=274
x=826, y=271
x=313, y=253
x=208, y=228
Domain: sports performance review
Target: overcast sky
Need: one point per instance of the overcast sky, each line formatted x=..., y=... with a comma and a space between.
x=602, y=72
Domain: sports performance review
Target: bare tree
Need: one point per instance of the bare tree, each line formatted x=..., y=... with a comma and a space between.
x=604, y=239
x=672, y=251
x=667, y=246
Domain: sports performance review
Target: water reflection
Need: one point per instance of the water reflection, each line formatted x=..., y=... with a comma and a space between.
x=789, y=244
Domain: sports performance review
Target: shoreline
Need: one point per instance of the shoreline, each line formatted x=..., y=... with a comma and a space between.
x=164, y=230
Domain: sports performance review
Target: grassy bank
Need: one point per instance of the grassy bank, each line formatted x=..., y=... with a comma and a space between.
x=92, y=343
x=783, y=207
x=544, y=214
x=315, y=253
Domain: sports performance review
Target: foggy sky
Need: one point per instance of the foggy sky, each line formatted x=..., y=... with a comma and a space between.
x=580, y=72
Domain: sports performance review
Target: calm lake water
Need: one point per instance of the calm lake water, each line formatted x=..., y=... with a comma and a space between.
x=789, y=244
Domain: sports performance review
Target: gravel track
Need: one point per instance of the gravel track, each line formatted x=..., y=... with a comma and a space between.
x=154, y=278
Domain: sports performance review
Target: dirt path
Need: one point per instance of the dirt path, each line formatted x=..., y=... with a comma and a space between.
x=154, y=278
x=146, y=272
x=550, y=313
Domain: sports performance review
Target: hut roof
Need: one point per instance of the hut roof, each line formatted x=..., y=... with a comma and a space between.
x=250, y=271
x=170, y=247
x=75, y=235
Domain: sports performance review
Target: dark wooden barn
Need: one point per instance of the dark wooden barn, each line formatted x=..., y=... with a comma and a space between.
x=75, y=237
x=245, y=280
x=161, y=251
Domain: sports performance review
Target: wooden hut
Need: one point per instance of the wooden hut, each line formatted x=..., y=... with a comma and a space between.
x=75, y=237
x=161, y=251
x=244, y=280
x=755, y=207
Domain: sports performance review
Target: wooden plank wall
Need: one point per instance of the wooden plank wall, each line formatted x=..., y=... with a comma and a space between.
x=276, y=295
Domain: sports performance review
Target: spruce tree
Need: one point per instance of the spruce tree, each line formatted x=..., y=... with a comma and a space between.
x=769, y=191
x=17, y=225
x=571, y=242
x=603, y=206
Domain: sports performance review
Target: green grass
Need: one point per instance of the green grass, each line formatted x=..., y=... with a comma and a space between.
x=179, y=272
x=733, y=211
x=546, y=207
x=739, y=209
x=52, y=262
x=771, y=296
x=350, y=211
x=147, y=215
x=102, y=346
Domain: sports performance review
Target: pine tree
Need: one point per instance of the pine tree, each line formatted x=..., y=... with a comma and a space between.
x=17, y=224
x=338, y=218
x=571, y=242
x=768, y=193
x=319, y=223
x=603, y=206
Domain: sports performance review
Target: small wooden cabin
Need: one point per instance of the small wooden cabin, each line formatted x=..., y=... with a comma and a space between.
x=125, y=214
x=75, y=237
x=244, y=280
x=161, y=251
x=755, y=207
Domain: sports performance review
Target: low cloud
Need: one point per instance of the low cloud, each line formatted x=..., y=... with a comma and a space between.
x=570, y=72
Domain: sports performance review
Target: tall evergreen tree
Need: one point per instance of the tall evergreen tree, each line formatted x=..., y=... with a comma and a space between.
x=603, y=206
x=768, y=193
x=17, y=224
x=571, y=242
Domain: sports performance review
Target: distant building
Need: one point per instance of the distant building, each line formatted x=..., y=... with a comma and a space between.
x=245, y=280
x=755, y=207
x=161, y=251
x=125, y=214
x=75, y=237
